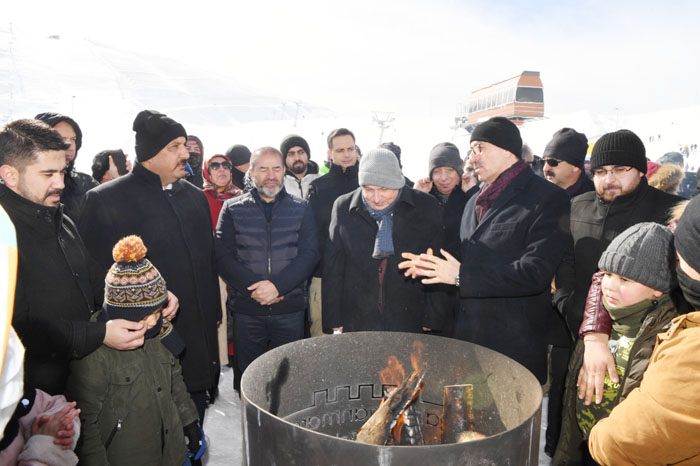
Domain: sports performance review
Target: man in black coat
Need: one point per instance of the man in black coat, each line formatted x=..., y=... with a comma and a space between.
x=76, y=183
x=363, y=289
x=323, y=191
x=564, y=158
x=622, y=198
x=173, y=219
x=511, y=247
x=58, y=286
x=266, y=249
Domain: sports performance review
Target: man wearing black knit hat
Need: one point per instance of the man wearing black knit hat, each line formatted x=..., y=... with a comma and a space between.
x=510, y=248
x=622, y=198
x=563, y=159
x=172, y=216
x=77, y=184
x=301, y=170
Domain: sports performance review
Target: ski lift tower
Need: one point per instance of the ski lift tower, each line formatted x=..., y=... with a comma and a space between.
x=384, y=121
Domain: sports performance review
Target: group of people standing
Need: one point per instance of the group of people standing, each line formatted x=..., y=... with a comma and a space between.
x=126, y=280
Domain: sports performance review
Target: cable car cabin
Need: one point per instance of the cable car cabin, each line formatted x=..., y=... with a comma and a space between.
x=518, y=98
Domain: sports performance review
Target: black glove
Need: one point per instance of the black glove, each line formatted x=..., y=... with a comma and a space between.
x=195, y=440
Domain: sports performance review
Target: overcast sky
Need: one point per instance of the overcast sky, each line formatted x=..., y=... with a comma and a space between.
x=411, y=57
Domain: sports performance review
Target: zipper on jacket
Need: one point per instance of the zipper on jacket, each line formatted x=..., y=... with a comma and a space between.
x=268, y=227
x=116, y=429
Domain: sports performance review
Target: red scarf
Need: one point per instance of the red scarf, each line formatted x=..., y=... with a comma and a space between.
x=218, y=193
x=493, y=191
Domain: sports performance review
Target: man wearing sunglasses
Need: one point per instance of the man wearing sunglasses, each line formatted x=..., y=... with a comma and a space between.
x=622, y=198
x=563, y=159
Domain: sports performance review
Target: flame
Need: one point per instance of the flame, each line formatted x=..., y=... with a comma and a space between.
x=417, y=356
x=393, y=373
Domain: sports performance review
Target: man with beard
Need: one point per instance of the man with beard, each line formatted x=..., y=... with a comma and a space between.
x=301, y=170
x=58, y=286
x=196, y=149
x=563, y=159
x=172, y=217
x=76, y=183
x=622, y=198
x=266, y=250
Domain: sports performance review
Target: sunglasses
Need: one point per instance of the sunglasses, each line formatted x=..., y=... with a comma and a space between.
x=551, y=162
x=217, y=165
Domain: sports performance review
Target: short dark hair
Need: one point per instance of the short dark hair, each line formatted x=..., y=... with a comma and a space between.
x=339, y=132
x=262, y=151
x=100, y=163
x=21, y=141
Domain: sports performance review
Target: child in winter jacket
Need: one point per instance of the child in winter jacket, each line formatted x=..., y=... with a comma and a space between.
x=134, y=403
x=639, y=274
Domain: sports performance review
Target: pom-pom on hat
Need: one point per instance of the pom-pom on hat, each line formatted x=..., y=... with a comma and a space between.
x=133, y=287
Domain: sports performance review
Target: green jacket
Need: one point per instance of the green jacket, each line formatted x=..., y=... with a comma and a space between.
x=133, y=405
x=569, y=449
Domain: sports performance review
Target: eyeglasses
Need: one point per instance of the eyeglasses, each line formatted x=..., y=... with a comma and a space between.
x=469, y=168
x=552, y=162
x=217, y=165
x=476, y=149
x=616, y=171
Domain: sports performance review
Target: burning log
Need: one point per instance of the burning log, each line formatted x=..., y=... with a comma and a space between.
x=377, y=429
x=458, y=414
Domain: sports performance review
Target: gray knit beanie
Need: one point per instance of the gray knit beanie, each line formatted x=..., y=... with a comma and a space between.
x=444, y=154
x=379, y=167
x=644, y=253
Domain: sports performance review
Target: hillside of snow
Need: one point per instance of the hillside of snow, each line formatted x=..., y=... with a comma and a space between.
x=103, y=88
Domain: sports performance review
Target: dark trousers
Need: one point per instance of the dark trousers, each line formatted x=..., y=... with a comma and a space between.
x=256, y=334
x=559, y=359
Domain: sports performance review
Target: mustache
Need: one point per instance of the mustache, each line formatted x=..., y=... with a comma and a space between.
x=53, y=191
x=549, y=173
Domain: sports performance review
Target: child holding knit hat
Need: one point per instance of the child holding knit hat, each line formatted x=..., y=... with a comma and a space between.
x=134, y=403
x=639, y=276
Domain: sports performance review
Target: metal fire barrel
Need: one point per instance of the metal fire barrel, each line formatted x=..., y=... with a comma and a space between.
x=303, y=403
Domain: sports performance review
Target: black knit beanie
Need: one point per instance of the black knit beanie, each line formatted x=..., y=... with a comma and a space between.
x=568, y=145
x=688, y=232
x=623, y=148
x=238, y=154
x=154, y=131
x=290, y=141
x=444, y=154
x=52, y=119
x=500, y=132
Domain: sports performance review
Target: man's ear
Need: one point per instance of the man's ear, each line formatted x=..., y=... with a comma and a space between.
x=9, y=175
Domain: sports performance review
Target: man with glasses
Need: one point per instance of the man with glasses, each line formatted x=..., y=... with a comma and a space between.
x=511, y=245
x=622, y=198
x=563, y=159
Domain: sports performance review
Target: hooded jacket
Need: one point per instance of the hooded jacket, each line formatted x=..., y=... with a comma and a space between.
x=300, y=187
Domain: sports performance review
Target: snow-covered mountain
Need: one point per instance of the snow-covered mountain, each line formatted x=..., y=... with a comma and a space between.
x=103, y=88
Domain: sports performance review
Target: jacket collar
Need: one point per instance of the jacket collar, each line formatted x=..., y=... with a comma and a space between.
x=337, y=170
x=256, y=195
x=31, y=211
x=152, y=179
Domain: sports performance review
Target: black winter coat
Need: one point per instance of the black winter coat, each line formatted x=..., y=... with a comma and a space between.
x=76, y=185
x=361, y=294
x=323, y=192
x=175, y=226
x=508, y=261
x=594, y=224
x=58, y=288
x=282, y=248
x=452, y=212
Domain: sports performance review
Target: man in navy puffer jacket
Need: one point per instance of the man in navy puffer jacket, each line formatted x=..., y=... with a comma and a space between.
x=266, y=250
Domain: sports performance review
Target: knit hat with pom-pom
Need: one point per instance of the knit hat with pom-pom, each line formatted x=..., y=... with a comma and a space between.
x=133, y=287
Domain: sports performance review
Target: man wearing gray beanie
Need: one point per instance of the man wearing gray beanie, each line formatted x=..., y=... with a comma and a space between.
x=370, y=227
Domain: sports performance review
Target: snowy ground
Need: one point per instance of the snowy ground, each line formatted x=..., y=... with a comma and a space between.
x=222, y=425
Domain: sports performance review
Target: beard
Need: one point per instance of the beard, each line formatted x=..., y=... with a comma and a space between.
x=298, y=167
x=268, y=190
